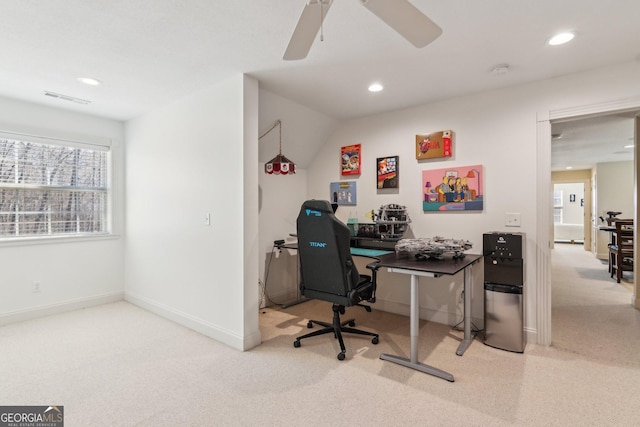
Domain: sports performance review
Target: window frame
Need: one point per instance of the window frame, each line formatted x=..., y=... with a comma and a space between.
x=86, y=143
x=558, y=206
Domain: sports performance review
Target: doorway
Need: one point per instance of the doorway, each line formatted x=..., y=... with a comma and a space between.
x=569, y=213
x=564, y=205
x=544, y=233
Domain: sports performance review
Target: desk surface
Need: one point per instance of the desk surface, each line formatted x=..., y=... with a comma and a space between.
x=366, y=252
x=370, y=253
x=448, y=265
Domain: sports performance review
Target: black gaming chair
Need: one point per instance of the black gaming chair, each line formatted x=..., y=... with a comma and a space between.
x=327, y=270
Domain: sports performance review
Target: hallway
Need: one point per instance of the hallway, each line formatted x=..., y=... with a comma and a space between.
x=591, y=314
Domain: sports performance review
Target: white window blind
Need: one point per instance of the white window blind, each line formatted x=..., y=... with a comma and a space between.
x=52, y=189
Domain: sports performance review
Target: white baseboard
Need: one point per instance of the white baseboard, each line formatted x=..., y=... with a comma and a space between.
x=532, y=336
x=208, y=329
x=57, y=308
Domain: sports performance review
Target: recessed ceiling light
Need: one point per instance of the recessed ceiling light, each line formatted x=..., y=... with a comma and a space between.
x=375, y=87
x=89, y=81
x=561, y=38
x=569, y=167
x=629, y=146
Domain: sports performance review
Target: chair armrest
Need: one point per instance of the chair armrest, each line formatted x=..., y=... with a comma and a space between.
x=364, y=278
x=374, y=266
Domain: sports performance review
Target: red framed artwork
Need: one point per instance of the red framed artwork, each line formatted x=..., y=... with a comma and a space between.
x=351, y=159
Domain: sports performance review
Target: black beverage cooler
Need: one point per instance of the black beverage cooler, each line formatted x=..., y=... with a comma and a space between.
x=503, y=285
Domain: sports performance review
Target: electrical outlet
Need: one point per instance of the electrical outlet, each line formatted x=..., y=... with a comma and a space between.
x=35, y=287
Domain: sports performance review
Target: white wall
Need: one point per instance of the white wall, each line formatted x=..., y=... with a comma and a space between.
x=572, y=212
x=496, y=129
x=304, y=132
x=614, y=186
x=184, y=160
x=572, y=226
x=582, y=176
x=280, y=200
x=72, y=273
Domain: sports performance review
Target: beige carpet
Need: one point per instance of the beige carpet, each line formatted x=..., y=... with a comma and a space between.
x=118, y=365
x=592, y=314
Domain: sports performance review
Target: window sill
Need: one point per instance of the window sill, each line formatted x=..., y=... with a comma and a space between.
x=43, y=240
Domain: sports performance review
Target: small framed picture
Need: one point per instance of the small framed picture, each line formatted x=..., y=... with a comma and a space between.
x=572, y=198
x=351, y=159
x=343, y=193
x=435, y=145
x=387, y=174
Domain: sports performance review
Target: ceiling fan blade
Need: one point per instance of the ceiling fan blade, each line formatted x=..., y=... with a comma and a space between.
x=307, y=28
x=406, y=19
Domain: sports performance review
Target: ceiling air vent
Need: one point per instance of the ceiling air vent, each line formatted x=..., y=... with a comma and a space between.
x=66, y=97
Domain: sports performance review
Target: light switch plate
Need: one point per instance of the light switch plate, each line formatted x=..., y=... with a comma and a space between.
x=512, y=219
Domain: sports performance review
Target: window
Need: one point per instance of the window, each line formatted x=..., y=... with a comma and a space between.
x=557, y=206
x=52, y=189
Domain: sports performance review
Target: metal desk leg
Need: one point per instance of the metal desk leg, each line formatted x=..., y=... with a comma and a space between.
x=414, y=330
x=468, y=335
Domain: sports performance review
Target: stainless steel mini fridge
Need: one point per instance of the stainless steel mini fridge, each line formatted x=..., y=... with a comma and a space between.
x=503, y=325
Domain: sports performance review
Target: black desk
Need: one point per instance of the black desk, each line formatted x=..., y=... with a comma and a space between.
x=408, y=264
x=373, y=243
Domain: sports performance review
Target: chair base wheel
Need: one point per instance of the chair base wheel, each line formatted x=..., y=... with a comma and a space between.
x=336, y=328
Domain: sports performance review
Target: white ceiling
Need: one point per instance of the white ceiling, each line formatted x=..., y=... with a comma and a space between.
x=151, y=52
x=580, y=144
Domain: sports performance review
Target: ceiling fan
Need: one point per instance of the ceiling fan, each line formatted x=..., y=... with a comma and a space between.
x=400, y=15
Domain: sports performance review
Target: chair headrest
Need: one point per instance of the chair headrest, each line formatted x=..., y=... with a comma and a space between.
x=322, y=206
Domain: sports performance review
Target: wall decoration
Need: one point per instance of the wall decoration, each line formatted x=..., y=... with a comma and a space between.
x=453, y=189
x=435, y=145
x=351, y=159
x=388, y=170
x=343, y=193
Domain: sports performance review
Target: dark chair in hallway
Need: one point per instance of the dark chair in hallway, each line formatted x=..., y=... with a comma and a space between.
x=621, y=254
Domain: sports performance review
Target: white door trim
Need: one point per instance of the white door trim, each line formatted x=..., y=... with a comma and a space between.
x=544, y=192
